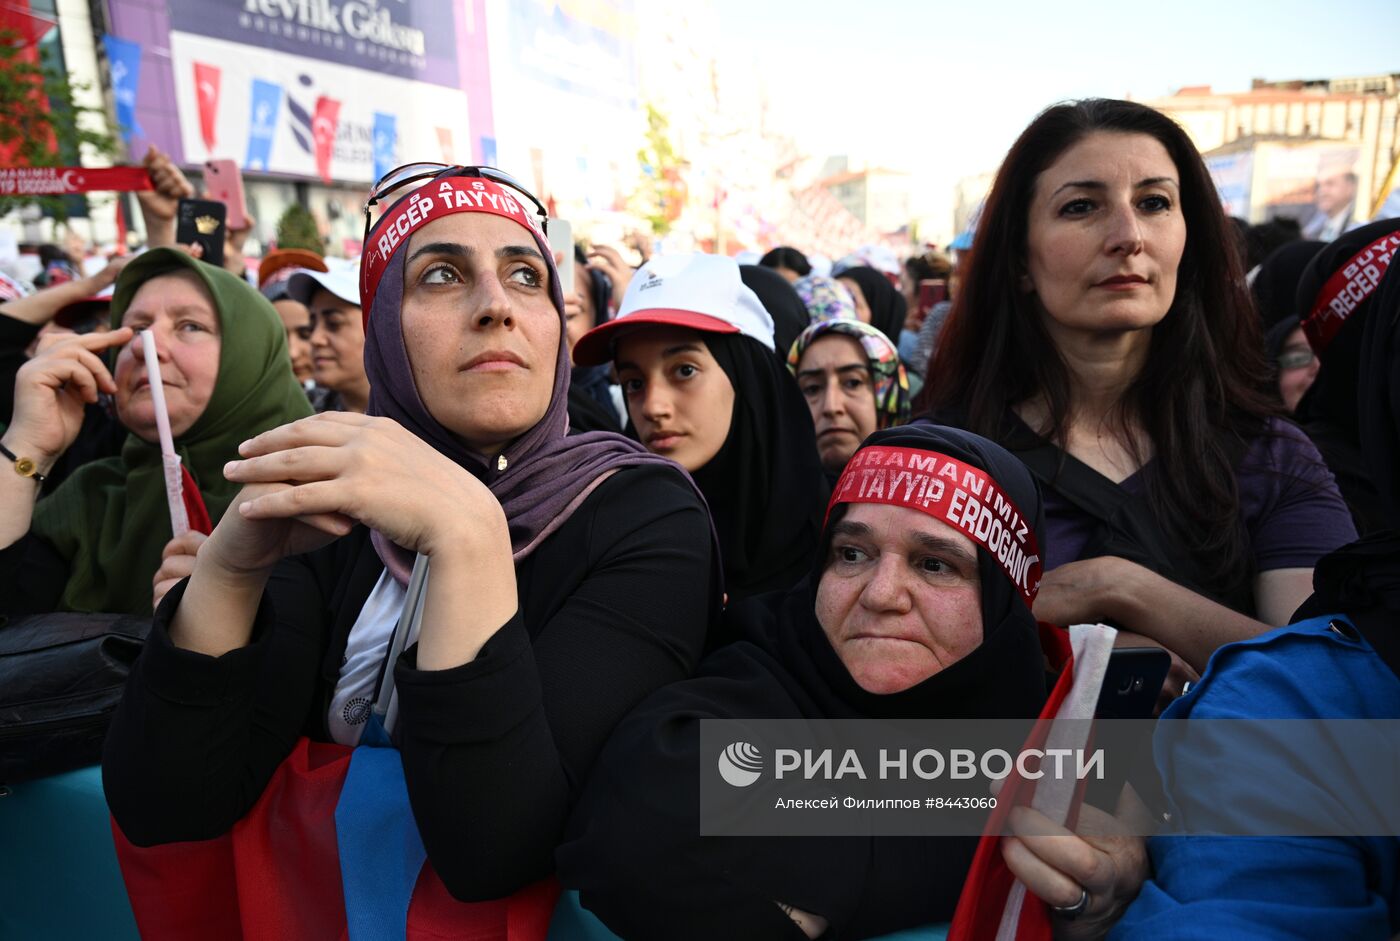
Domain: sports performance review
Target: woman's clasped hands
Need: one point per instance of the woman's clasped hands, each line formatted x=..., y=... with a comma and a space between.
x=310, y=481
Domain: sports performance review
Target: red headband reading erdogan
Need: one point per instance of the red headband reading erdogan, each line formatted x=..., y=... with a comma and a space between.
x=1348, y=287
x=433, y=201
x=950, y=491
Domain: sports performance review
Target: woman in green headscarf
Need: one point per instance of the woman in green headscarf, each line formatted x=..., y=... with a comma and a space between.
x=96, y=542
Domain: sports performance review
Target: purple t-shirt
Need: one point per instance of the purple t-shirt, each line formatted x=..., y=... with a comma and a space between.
x=1290, y=504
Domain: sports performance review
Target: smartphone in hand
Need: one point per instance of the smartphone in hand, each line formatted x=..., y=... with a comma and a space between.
x=223, y=182
x=202, y=221
x=1130, y=689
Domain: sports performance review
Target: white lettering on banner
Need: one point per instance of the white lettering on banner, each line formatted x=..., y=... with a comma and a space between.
x=366, y=21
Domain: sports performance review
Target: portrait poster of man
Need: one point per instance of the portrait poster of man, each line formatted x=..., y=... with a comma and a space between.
x=1316, y=185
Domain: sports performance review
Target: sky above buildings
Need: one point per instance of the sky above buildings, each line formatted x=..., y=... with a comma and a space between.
x=942, y=89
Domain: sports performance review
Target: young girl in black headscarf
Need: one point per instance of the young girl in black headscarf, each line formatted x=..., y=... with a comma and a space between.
x=693, y=350
x=883, y=307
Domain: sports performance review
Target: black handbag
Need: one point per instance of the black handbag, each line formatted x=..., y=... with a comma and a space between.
x=61, y=677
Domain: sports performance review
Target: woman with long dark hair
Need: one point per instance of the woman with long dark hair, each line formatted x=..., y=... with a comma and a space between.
x=1104, y=333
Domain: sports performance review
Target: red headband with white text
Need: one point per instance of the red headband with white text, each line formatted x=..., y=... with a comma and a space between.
x=433, y=201
x=1348, y=287
x=953, y=492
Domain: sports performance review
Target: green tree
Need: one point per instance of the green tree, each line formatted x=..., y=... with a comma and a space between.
x=660, y=198
x=297, y=229
x=43, y=126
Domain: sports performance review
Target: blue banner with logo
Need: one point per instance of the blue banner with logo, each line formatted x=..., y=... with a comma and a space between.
x=386, y=143
x=262, y=124
x=124, y=63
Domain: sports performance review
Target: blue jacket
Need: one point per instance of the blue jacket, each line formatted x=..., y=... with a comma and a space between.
x=1245, y=888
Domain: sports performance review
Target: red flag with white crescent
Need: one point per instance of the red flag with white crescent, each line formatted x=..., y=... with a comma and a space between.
x=323, y=127
x=994, y=905
x=206, y=86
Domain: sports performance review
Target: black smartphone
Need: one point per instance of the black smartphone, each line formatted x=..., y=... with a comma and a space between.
x=1130, y=688
x=1132, y=683
x=202, y=221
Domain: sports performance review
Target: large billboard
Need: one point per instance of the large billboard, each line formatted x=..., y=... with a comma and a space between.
x=1316, y=183
x=567, y=102
x=330, y=89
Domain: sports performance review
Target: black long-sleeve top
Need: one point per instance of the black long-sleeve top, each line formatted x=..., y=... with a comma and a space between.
x=614, y=604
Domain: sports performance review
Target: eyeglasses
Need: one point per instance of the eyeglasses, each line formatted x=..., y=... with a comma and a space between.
x=1296, y=359
x=410, y=173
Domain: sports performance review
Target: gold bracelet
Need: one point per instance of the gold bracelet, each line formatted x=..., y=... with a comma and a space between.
x=24, y=466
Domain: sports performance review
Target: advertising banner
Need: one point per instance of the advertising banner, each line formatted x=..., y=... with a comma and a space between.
x=262, y=123
x=1233, y=174
x=124, y=64
x=321, y=118
x=586, y=49
x=412, y=39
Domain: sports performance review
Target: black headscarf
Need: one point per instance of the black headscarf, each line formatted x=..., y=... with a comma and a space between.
x=766, y=487
x=1328, y=410
x=887, y=306
x=780, y=299
x=591, y=405
x=1362, y=580
x=633, y=847
x=1275, y=286
x=1003, y=678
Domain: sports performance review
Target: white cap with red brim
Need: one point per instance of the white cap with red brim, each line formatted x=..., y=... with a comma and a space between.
x=701, y=292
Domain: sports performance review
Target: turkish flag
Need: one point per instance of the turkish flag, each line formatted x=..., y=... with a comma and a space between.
x=206, y=87
x=994, y=905
x=277, y=874
x=323, y=127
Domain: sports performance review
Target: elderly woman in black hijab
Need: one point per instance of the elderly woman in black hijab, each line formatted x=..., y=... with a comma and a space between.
x=570, y=575
x=906, y=617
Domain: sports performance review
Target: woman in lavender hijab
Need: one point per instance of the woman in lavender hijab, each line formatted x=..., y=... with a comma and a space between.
x=570, y=575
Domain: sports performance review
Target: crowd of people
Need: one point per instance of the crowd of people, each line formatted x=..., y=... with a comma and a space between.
x=555, y=530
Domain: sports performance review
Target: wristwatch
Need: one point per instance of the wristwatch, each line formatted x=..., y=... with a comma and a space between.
x=24, y=466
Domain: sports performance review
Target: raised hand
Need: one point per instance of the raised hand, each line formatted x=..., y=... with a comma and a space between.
x=610, y=261
x=52, y=389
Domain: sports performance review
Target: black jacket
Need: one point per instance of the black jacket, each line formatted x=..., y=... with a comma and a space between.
x=614, y=604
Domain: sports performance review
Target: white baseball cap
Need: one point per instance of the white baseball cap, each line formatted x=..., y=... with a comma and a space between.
x=702, y=292
x=342, y=280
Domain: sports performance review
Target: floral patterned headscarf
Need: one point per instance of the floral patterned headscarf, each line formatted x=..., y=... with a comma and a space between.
x=826, y=298
x=886, y=371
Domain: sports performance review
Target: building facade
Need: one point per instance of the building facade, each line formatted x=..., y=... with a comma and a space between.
x=1322, y=151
